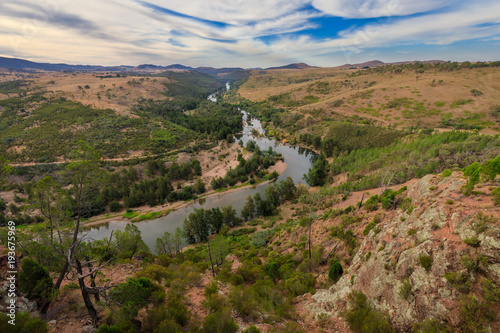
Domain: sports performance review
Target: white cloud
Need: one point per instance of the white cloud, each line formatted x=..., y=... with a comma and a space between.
x=127, y=32
x=377, y=8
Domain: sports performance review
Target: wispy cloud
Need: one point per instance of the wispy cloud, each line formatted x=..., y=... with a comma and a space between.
x=231, y=32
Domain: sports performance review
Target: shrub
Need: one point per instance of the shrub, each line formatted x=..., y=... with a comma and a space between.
x=362, y=318
x=300, y=283
x=458, y=281
x=24, y=324
x=335, y=272
x=252, y=329
x=446, y=173
x=495, y=196
x=491, y=291
x=108, y=329
x=405, y=290
x=425, y=262
x=411, y=232
x=472, y=241
x=431, y=326
x=475, y=314
x=34, y=280
x=372, y=203
x=115, y=206
x=221, y=321
x=243, y=301
x=368, y=227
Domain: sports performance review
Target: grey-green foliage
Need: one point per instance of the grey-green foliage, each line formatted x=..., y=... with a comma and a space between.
x=129, y=241
x=260, y=238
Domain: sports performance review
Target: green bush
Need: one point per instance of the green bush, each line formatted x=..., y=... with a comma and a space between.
x=405, y=290
x=335, y=272
x=472, y=241
x=300, y=283
x=243, y=301
x=108, y=329
x=458, y=281
x=220, y=322
x=446, y=173
x=491, y=292
x=115, y=206
x=475, y=314
x=495, y=196
x=372, y=203
x=362, y=318
x=431, y=326
x=368, y=227
x=24, y=324
x=425, y=262
x=34, y=280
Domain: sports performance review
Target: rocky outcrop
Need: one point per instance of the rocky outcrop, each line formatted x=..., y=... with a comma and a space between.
x=441, y=219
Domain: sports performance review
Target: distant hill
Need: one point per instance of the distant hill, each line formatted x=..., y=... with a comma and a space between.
x=21, y=64
x=376, y=63
x=299, y=65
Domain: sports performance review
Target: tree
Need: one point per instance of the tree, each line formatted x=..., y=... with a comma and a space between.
x=165, y=244
x=5, y=169
x=248, y=211
x=335, y=272
x=199, y=186
x=129, y=241
x=317, y=174
x=49, y=199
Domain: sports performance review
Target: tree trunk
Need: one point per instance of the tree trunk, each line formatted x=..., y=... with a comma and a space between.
x=85, y=294
x=92, y=280
x=210, y=256
x=61, y=275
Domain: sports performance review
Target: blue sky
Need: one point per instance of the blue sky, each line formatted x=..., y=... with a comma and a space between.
x=248, y=33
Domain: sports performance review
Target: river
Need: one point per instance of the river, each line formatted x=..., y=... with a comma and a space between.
x=298, y=162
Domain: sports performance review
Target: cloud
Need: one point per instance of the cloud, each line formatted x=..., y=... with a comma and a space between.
x=232, y=33
x=377, y=8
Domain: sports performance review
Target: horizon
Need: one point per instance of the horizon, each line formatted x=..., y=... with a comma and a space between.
x=249, y=35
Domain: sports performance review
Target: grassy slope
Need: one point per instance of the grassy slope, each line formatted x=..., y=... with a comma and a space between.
x=425, y=99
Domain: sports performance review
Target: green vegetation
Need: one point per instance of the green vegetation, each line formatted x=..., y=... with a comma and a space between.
x=425, y=261
x=335, y=272
x=363, y=318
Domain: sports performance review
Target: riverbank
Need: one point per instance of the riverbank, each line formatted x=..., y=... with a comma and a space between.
x=165, y=209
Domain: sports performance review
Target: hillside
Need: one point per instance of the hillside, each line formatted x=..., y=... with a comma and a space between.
x=430, y=258
x=407, y=95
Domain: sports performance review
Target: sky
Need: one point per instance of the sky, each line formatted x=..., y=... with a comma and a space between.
x=248, y=33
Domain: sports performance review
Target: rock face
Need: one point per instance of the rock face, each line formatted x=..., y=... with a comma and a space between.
x=441, y=220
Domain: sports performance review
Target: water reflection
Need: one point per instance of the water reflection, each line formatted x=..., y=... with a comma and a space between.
x=298, y=162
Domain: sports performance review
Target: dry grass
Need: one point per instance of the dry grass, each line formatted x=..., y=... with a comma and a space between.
x=429, y=96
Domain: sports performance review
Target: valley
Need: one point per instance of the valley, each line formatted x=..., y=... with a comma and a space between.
x=301, y=199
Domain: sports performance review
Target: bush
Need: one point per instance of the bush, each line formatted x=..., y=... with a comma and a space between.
x=472, y=241
x=405, y=290
x=491, y=291
x=24, y=324
x=431, y=326
x=115, y=206
x=495, y=196
x=372, y=204
x=446, y=173
x=425, y=262
x=475, y=314
x=243, y=301
x=458, y=281
x=368, y=227
x=362, y=318
x=335, y=272
x=220, y=322
x=35, y=281
x=300, y=283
